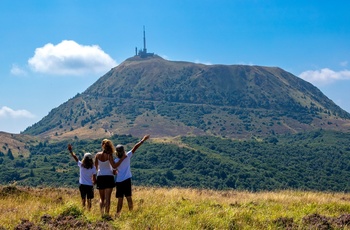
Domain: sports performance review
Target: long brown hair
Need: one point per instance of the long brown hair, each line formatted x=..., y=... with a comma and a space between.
x=87, y=163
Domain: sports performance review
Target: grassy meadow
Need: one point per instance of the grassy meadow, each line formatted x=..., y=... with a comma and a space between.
x=175, y=208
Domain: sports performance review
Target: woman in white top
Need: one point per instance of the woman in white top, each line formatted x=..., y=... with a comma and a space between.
x=105, y=176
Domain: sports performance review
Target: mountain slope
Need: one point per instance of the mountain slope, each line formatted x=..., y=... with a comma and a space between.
x=16, y=144
x=169, y=98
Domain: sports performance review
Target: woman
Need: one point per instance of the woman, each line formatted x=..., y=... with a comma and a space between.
x=105, y=176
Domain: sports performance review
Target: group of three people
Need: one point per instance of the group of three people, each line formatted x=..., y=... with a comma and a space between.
x=107, y=173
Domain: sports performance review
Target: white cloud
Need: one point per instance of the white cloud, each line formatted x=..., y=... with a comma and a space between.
x=70, y=58
x=16, y=70
x=324, y=76
x=6, y=112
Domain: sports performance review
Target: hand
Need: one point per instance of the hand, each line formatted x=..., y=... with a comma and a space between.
x=145, y=137
x=70, y=147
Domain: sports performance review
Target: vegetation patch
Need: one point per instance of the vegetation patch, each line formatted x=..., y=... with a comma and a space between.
x=313, y=161
x=11, y=191
x=178, y=208
x=62, y=222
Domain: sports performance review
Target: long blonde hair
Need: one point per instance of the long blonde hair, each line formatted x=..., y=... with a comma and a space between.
x=108, y=146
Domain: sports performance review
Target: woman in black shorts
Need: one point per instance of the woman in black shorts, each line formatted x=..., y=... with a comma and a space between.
x=105, y=176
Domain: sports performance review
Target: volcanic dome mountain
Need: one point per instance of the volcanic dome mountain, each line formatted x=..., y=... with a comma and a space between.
x=175, y=98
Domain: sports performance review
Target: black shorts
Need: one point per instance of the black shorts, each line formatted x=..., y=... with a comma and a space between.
x=123, y=188
x=104, y=182
x=86, y=191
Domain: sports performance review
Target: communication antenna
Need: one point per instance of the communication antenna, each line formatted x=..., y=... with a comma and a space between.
x=143, y=52
x=144, y=40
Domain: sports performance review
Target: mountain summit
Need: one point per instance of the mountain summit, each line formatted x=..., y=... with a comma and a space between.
x=171, y=98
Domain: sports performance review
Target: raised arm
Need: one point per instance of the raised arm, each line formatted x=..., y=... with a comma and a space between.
x=133, y=150
x=70, y=149
x=116, y=165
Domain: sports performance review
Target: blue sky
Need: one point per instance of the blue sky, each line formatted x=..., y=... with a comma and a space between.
x=52, y=50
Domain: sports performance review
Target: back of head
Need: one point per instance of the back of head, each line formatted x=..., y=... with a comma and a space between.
x=87, y=161
x=108, y=146
x=120, y=151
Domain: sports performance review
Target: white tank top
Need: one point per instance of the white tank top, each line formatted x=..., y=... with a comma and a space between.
x=104, y=168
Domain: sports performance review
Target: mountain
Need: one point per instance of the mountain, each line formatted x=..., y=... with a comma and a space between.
x=16, y=144
x=175, y=98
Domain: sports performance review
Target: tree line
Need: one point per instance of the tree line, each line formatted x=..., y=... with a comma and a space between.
x=318, y=160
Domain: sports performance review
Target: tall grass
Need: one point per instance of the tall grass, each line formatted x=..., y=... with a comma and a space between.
x=180, y=208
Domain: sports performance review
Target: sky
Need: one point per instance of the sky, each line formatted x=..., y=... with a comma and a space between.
x=52, y=50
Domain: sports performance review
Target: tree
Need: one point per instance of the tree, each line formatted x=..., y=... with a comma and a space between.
x=10, y=155
x=31, y=173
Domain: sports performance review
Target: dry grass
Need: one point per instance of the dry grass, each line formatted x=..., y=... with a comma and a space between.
x=178, y=208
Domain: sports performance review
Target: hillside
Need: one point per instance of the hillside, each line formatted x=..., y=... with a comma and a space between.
x=313, y=161
x=172, y=98
x=16, y=144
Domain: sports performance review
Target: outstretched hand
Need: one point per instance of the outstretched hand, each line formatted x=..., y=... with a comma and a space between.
x=145, y=137
x=70, y=148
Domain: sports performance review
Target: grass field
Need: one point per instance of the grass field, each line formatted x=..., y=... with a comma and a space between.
x=175, y=208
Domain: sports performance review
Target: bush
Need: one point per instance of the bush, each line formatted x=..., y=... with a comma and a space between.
x=72, y=210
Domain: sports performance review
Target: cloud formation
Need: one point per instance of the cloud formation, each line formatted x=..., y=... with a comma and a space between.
x=16, y=70
x=70, y=58
x=6, y=112
x=324, y=76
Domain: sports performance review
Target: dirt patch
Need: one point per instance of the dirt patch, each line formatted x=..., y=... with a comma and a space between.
x=26, y=224
x=11, y=191
x=63, y=222
x=314, y=221
x=342, y=221
x=317, y=221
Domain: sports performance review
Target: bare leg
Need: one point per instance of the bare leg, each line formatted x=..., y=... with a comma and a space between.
x=130, y=203
x=102, y=201
x=119, y=206
x=108, y=193
x=89, y=204
x=83, y=202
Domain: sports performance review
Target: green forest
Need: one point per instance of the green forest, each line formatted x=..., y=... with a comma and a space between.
x=318, y=161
